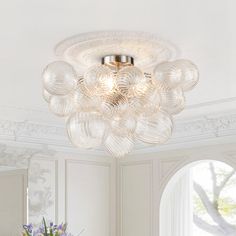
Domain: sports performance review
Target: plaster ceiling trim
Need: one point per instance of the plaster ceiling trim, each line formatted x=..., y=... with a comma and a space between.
x=199, y=129
x=86, y=50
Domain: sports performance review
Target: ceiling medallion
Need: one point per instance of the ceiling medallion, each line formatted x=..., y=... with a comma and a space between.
x=117, y=88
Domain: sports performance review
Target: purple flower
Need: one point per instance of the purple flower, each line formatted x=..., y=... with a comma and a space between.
x=60, y=227
x=28, y=228
x=40, y=231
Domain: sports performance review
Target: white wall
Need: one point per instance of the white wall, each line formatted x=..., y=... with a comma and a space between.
x=135, y=198
x=13, y=201
x=88, y=191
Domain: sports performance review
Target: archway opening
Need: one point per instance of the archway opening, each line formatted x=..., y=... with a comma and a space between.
x=200, y=200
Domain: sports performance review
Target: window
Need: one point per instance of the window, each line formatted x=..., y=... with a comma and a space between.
x=214, y=199
x=200, y=201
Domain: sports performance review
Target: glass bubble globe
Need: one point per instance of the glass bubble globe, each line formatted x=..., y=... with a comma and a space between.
x=98, y=80
x=131, y=82
x=118, y=145
x=113, y=104
x=190, y=74
x=155, y=129
x=123, y=125
x=59, y=78
x=152, y=102
x=62, y=105
x=86, y=103
x=169, y=73
x=86, y=129
x=171, y=100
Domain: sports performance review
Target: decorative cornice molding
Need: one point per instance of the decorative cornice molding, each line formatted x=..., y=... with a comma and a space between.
x=208, y=126
x=39, y=136
x=196, y=129
x=19, y=157
x=27, y=128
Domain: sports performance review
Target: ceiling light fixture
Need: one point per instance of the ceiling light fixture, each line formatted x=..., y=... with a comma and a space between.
x=117, y=88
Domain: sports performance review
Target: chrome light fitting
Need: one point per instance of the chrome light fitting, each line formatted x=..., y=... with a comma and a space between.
x=116, y=89
x=118, y=60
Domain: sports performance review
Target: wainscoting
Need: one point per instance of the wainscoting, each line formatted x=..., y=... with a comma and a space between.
x=13, y=201
x=103, y=195
x=88, y=190
x=67, y=187
x=135, y=194
x=77, y=190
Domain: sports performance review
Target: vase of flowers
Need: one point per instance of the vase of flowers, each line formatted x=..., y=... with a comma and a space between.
x=46, y=230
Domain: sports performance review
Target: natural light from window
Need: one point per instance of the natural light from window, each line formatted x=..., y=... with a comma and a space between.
x=200, y=200
x=214, y=185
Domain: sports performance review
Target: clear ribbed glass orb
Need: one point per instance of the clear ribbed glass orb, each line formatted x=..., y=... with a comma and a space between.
x=86, y=129
x=59, y=78
x=131, y=82
x=169, y=73
x=155, y=129
x=62, y=105
x=98, y=80
x=136, y=106
x=152, y=102
x=86, y=103
x=46, y=95
x=117, y=145
x=123, y=125
x=172, y=100
x=190, y=74
x=113, y=104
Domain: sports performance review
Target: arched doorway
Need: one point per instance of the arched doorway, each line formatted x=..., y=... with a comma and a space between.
x=200, y=199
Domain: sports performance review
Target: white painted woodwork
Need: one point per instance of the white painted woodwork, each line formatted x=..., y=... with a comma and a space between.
x=43, y=195
x=13, y=201
x=137, y=178
x=136, y=199
x=88, y=198
x=102, y=195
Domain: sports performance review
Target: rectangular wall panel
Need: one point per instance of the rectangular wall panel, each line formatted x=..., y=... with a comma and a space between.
x=88, y=197
x=136, y=198
x=13, y=201
x=42, y=190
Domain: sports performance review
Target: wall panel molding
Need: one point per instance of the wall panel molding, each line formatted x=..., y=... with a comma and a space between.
x=43, y=189
x=41, y=193
x=19, y=156
x=120, y=205
x=83, y=162
x=111, y=204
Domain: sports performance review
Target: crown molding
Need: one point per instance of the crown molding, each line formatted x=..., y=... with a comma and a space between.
x=19, y=157
x=199, y=129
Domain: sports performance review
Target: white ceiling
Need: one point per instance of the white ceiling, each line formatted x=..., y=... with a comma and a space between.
x=203, y=30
